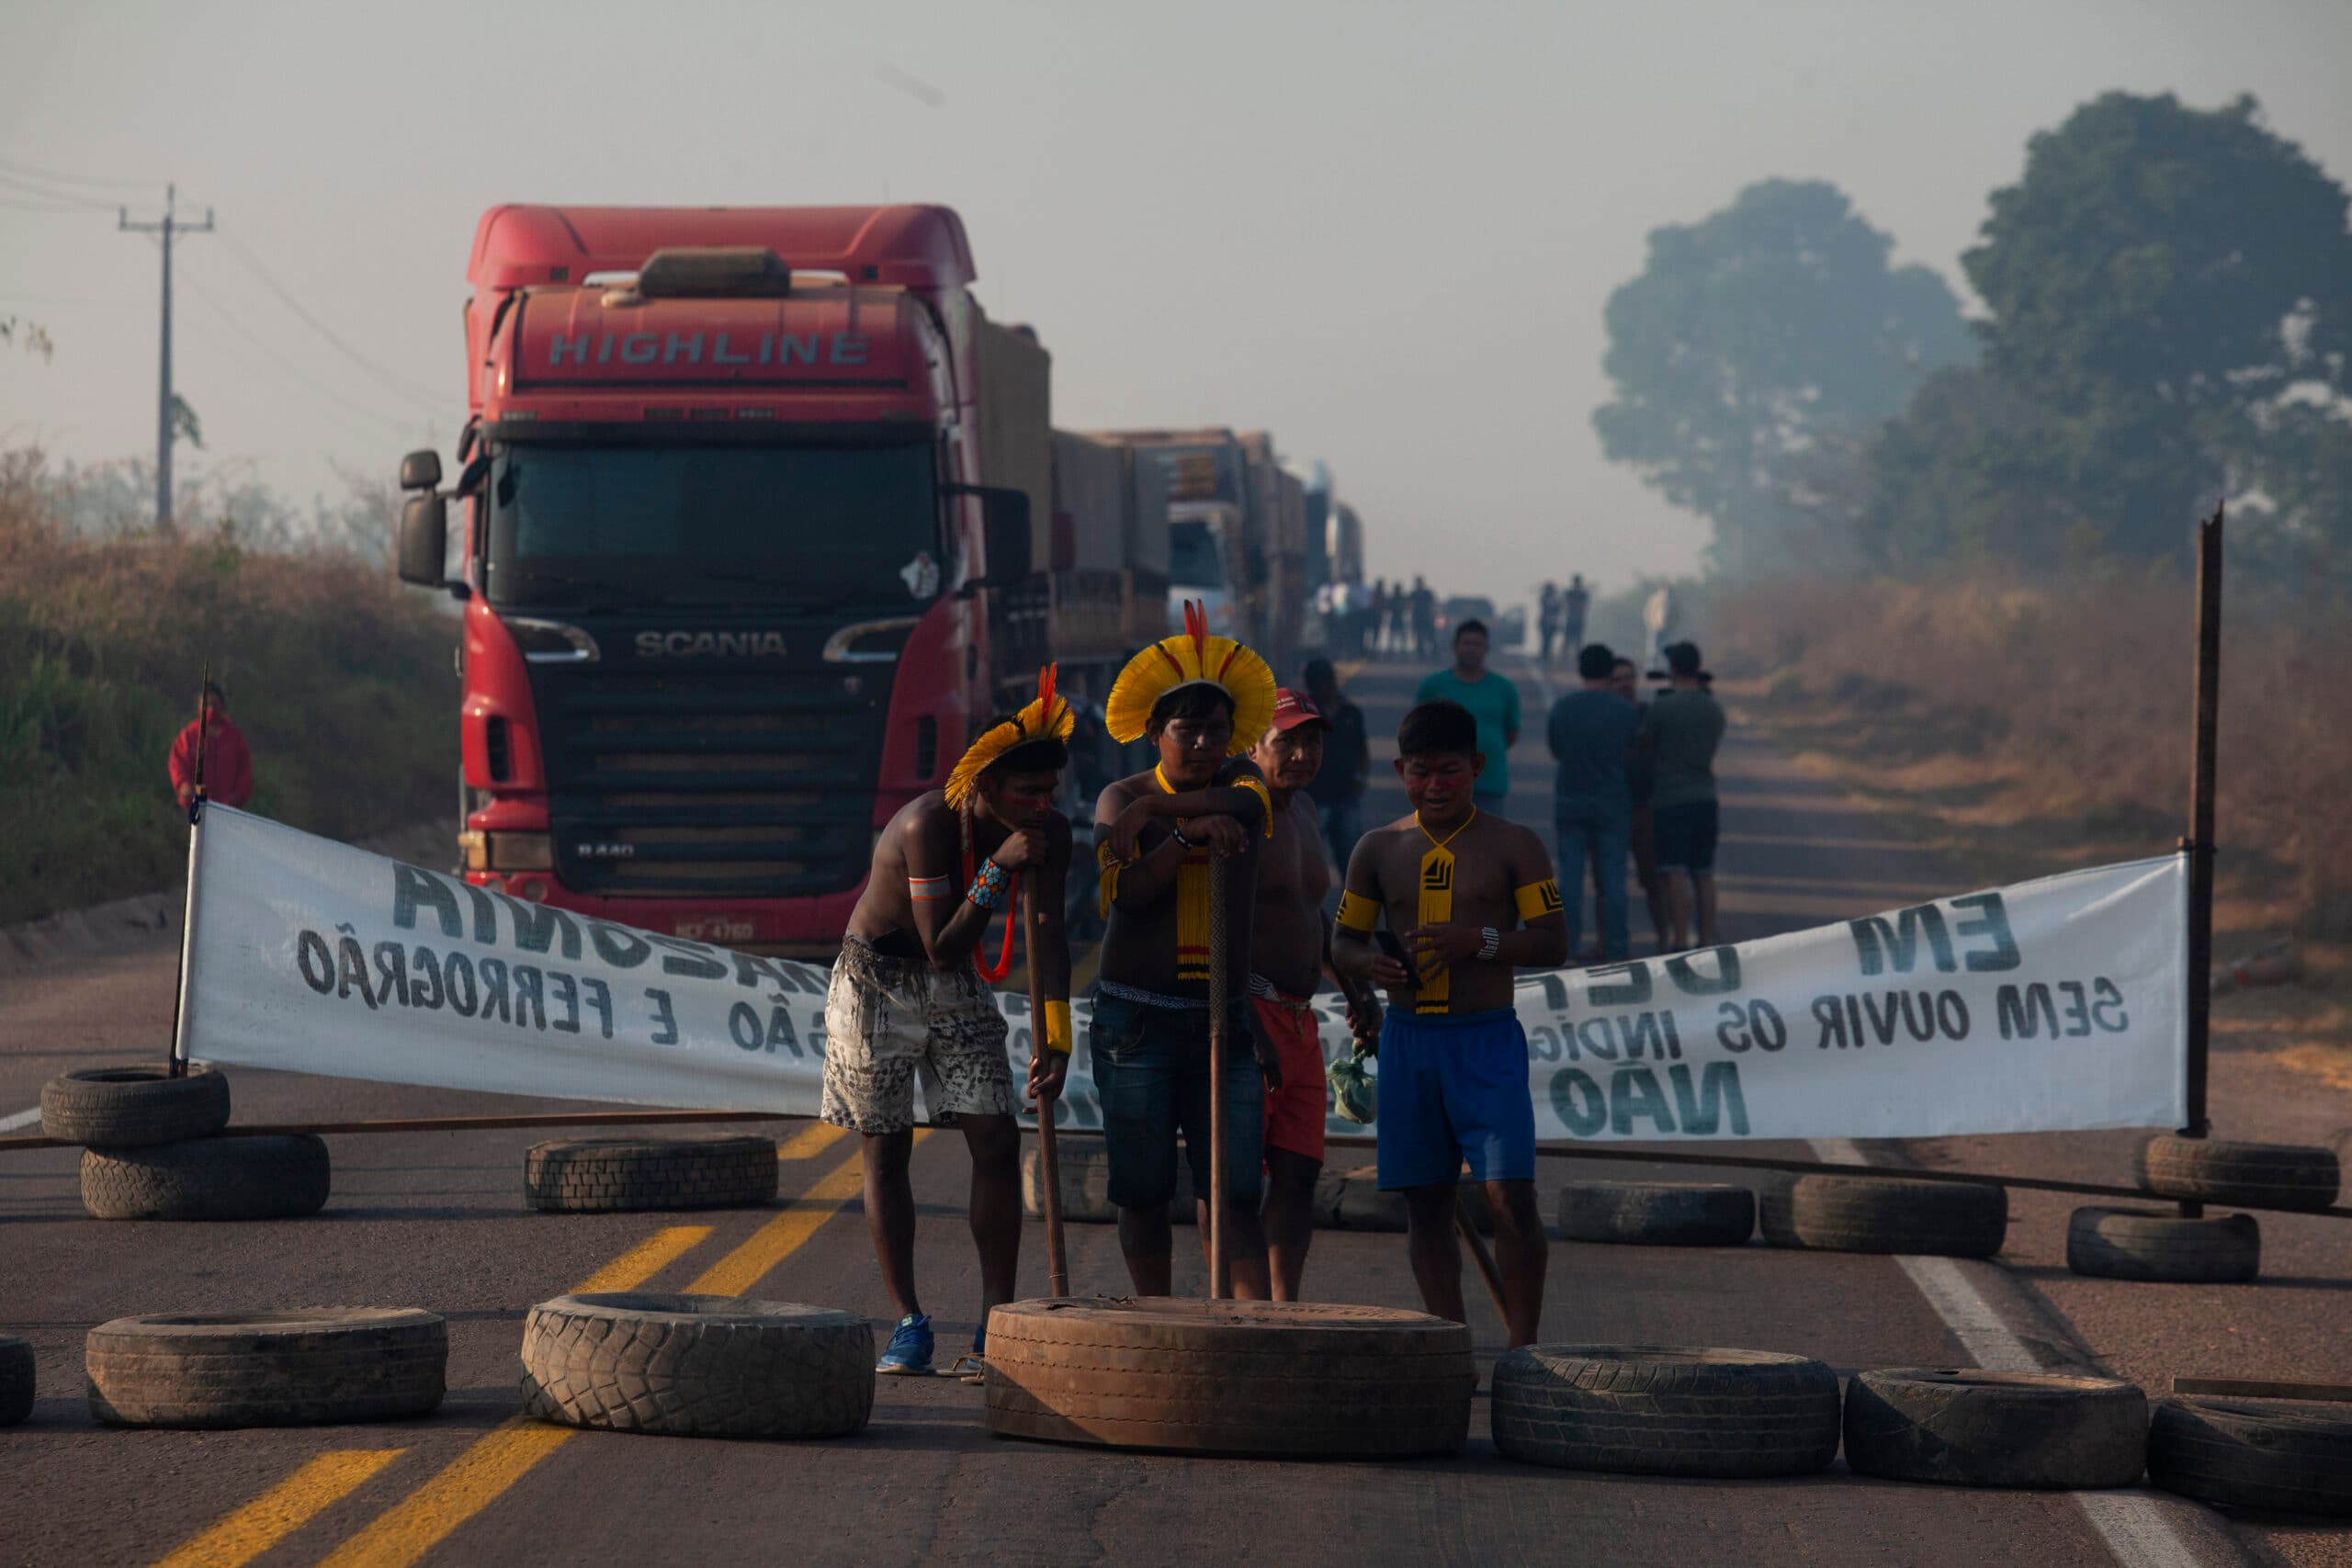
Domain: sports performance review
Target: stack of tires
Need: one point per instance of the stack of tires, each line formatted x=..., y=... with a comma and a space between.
x=2126, y=1243
x=156, y=1147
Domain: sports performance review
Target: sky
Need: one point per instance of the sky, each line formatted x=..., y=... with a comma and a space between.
x=1385, y=231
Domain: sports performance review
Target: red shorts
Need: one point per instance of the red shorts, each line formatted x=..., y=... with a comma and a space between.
x=1294, y=1111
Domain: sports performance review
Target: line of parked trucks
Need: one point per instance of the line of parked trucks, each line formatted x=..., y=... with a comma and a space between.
x=760, y=519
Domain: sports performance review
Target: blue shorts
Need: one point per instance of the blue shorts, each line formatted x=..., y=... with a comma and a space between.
x=1454, y=1087
x=1151, y=1072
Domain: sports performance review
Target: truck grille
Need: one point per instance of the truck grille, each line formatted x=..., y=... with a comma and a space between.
x=749, y=784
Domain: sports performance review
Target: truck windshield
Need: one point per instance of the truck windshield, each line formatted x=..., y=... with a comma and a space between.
x=575, y=525
x=1192, y=559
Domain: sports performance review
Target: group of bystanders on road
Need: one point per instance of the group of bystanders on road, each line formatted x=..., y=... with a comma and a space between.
x=1636, y=780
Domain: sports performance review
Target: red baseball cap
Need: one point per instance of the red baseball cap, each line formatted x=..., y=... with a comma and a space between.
x=1292, y=708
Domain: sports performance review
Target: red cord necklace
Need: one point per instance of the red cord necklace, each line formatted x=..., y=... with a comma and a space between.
x=1011, y=909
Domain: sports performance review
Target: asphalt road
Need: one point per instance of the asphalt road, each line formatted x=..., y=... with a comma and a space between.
x=436, y=1220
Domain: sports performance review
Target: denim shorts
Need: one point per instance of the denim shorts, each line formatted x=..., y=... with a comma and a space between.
x=1151, y=1071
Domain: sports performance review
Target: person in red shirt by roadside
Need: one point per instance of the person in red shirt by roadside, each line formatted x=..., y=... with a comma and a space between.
x=227, y=766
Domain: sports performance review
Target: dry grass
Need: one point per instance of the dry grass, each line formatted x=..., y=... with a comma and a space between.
x=2023, y=729
x=340, y=679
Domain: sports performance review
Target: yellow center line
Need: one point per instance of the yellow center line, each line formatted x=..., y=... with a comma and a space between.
x=810, y=1140
x=478, y=1477
x=644, y=1261
x=238, y=1537
x=735, y=1274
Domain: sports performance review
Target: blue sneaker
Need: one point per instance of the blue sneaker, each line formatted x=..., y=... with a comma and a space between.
x=909, y=1355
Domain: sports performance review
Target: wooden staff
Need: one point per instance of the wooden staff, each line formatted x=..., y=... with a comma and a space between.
x=1220, y=987
x=1049, y=1170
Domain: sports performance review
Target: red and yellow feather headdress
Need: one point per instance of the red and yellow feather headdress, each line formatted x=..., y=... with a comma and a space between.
x=1047, y=718
x=1193, y=656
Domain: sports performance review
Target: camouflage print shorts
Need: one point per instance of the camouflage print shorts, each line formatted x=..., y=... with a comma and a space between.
x=888, y=1020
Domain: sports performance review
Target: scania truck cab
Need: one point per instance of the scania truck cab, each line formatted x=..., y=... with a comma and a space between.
x=729, y=555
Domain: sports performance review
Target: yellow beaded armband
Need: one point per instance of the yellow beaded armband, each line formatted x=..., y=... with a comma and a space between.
x=1058, y=1034
x=1357, y=912
x=1538, y=899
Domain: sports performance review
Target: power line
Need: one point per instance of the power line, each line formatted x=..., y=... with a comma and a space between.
x=288, y=364
x=61, y=177
x=63, y=197
x=252, y=264
x=77, y=206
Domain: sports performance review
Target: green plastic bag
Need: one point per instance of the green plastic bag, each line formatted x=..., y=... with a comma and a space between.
x=1355, y=1093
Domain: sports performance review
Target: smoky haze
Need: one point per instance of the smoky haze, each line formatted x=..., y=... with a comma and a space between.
x=1386, y=235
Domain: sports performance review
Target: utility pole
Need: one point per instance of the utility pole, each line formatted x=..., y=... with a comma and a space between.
x=167, y=230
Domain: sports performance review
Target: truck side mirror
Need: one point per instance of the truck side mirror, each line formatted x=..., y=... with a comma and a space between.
x=1004, y=534
x=425, y=536
x=421, y=470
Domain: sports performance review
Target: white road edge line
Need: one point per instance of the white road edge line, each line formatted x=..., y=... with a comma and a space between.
x=2131, y=1524
x=21, y=1119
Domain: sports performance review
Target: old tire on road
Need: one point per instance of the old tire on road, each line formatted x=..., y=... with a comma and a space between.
x=2152, y=1243
x=592, y=1176
x=310, y=1366
x=1659, y=1213
x=697, y=1366
x=1666, y=1410
x=1228, y=1377
x=2286, y=1456
x=258, y=1176
x=2042, y=1430
x=2219, y=1171
x=1086, y=1182
x=1872, y=1213
x=16, y=1380
x=133, y=1107
x=1085, y=1166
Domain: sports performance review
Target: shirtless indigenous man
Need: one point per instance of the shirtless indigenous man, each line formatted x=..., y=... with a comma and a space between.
x=911, y=996
x=1471, y=896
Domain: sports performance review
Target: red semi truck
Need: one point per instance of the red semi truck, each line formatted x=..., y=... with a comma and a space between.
x=749, y=503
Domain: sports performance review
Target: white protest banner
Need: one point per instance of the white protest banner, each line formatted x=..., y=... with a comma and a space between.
x=2052, y=1005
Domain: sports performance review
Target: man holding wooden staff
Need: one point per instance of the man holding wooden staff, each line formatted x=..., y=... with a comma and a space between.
x=1161, y=836
x=912, y=996
x=1472, y=897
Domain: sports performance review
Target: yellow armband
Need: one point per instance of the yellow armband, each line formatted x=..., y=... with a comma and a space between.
x=1107, y=877
x=1058, y=1034
x=1265, y=797
x=1357, y=912
x=1538, y=899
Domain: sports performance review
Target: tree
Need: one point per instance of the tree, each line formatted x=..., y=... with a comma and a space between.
x=2159, y=280
x=1757, y=339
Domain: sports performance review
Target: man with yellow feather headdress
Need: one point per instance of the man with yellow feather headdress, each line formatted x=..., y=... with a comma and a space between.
x=912, y=996
x=1204, y=810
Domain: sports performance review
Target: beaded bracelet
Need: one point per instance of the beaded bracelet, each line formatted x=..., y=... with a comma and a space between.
x=987, y=886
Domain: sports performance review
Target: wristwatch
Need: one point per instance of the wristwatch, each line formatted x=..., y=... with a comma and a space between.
x=1491, y=945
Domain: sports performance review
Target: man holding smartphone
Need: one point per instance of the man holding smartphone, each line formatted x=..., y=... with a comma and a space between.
x=1473, y=898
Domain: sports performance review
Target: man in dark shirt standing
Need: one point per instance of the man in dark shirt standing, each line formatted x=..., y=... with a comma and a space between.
x=1683, y=729
x=1640, y=778
x=1338, y=785
x=1573, y=600
x=1591, y=732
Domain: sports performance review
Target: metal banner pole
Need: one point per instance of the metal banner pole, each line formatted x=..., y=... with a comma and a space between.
x=2198, y=845
x=176, y=1064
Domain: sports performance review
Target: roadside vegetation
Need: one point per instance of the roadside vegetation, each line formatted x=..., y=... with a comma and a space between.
x=1951, y=554
x=340, y=679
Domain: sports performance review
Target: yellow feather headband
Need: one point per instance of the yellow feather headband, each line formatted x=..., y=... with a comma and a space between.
x=1193, y=656
x=1047, y=718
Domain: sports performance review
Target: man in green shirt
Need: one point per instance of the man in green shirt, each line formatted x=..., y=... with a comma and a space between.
x=1493, y=701
x=1679, y=733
